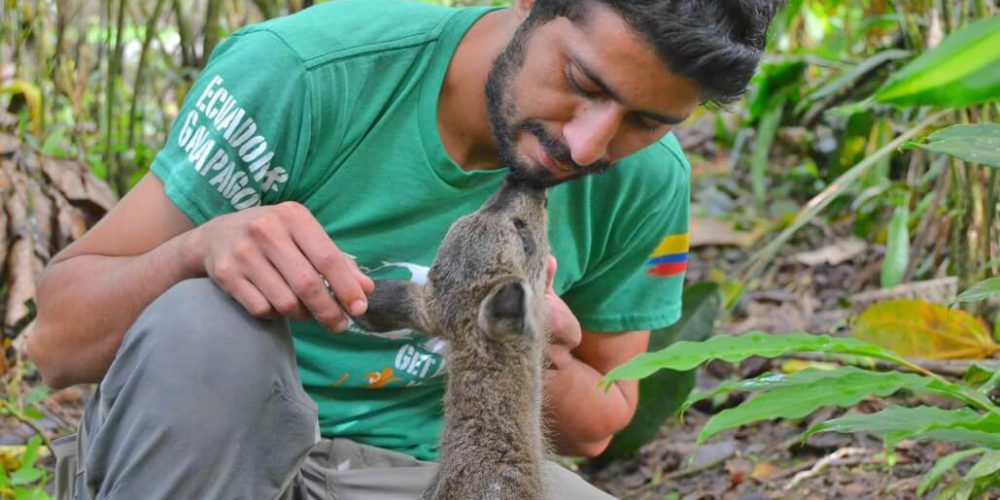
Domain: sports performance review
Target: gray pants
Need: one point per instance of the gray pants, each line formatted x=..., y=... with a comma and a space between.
x=204, y=401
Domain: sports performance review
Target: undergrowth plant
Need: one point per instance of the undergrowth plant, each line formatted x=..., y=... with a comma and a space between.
x=21, y=478
x=975, y=420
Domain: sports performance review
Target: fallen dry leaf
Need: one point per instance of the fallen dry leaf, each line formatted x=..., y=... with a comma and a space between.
x=716, y=232
x=64, y=175
x=17, y=203
x=763, y=470
x=70, y=222
x=839, y=252
x=3, y=240
x=23, y=267
x=40, y=213
x=918, y=329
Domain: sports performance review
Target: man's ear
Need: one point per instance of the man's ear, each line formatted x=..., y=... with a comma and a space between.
x=395, y=305
x=505, y=310
x=522, y=8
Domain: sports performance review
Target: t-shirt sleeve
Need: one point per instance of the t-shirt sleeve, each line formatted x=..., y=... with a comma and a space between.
x=639, y=282
x=242, y=131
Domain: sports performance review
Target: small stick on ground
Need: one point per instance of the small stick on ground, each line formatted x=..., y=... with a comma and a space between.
x=823, y=463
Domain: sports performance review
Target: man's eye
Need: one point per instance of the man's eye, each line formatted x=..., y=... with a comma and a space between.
x=579, y=88
x=646, y=124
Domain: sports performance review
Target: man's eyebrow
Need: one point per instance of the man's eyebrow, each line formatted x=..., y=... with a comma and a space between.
x=593, y=76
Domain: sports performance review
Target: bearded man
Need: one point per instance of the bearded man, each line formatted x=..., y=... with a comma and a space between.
x=323, y=150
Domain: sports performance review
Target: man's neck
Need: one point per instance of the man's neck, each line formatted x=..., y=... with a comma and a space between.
x=463, y=122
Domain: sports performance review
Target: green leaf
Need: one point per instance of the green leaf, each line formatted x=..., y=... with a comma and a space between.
x=767, y=129
x=942, y=466
x=32, y=494
x=894, y=423
x=24, y=476
x=977, y=375
x=982, y=432
x=859, y=70
x=732, y=348
x=37, y=394
x=762, y=383
x=959, y=490
x=897, y=252
x=663, y=392
x=980, y=291
x=33, y=413
x=987, y=465
x=963, y=70
x=843, y=387
x=31, y=452
x=978, y=143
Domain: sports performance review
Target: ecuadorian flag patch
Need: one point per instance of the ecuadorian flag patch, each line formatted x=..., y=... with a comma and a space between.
x=670, y=257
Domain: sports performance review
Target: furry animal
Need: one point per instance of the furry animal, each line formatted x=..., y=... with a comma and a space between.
x=485, y=296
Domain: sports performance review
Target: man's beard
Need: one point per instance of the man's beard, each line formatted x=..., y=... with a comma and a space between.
x=501, y=109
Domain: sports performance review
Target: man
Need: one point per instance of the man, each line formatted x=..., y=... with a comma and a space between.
x=319, y=151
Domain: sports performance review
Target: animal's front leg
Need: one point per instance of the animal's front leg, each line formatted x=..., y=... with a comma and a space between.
x=395, y=305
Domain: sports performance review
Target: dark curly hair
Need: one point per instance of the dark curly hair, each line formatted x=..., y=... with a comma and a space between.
x=716, y=43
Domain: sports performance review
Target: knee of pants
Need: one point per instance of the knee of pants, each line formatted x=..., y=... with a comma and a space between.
x=195, y=335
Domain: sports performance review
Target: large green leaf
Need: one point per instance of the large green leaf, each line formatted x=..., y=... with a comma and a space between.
x=843, y=387
x=963, y=70
x=979, y=143
x=661, y=394
x=687, y=355
x=894, y=423
x=942, y=466
x=762, y=383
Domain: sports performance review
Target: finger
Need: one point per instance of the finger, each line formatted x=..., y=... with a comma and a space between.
x=550, y=273
x=307, y=284
x=251, y=299
x=561, y=323
x=558, y=357
x=367, y=284
x=273, y=287
x=334, y=265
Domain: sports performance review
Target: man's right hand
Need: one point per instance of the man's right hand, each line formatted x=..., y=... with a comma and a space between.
x=272, y=259
x=277, y=260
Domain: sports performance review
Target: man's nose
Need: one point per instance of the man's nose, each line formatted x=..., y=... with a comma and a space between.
x=591, y=131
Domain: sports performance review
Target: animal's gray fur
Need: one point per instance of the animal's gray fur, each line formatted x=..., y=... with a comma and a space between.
x=485, y=295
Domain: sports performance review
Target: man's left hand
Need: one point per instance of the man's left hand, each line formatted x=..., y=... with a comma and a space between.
x=560, y=323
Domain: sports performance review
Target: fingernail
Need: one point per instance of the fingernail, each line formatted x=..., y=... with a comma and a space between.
x=358, y=307
x=341, y=326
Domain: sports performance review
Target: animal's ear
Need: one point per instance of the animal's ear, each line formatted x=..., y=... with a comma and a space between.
x=504, y=311
x=395, y=305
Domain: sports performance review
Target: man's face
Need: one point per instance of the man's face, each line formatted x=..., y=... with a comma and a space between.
x=570, y=99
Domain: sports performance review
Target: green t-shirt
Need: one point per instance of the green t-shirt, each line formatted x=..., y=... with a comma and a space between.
x=336, y=108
